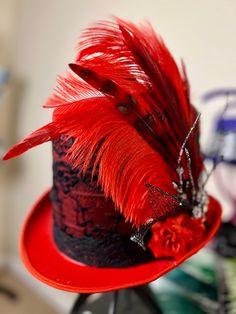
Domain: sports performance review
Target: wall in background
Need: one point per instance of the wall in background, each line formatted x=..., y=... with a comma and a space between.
x=8, y=10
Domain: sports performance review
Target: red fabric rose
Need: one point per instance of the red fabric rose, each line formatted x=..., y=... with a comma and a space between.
x=176, y=236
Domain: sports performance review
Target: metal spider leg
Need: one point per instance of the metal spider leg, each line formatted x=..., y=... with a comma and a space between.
x=138, y=237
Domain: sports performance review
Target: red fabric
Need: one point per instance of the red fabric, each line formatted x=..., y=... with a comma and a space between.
x=42, y=258
x=176, y=236
x=79, y=205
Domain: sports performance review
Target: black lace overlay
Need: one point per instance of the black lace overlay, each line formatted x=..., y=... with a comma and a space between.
x=87, y=227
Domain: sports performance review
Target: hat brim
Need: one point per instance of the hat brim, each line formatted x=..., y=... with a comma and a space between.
x=43, y=259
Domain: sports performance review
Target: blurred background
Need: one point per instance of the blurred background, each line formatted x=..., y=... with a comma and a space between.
x=37, y=41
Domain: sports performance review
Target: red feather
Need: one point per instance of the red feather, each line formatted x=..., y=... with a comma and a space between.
x=127, y=107
x=47, y=133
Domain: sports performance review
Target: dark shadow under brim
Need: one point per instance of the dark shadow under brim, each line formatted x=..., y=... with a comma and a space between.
x=43, y=259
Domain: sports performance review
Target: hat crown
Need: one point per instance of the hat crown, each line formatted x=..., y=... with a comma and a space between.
x=87, y=227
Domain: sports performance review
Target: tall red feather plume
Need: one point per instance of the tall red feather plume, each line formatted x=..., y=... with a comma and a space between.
x=127, y=106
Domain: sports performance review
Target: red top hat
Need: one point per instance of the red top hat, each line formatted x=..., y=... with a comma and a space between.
x=128, y=202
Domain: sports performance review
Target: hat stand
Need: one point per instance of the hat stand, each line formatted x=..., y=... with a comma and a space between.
x=144, y=293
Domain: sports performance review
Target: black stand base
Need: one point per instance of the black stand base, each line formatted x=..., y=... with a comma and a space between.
x=144, y=293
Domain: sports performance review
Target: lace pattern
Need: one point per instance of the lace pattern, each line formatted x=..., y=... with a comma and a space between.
x=86, y=225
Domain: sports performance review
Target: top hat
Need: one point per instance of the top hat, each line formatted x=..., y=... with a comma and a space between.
x=128, y=202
